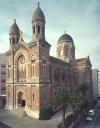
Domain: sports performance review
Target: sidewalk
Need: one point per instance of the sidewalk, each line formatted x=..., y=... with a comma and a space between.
x=15, y=121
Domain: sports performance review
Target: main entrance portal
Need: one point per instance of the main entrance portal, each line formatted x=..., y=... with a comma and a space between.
x=21, y=99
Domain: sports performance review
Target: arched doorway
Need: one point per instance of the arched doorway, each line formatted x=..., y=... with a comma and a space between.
x=21, y=99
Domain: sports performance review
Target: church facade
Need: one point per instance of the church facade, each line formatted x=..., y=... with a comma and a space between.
x=33, y=76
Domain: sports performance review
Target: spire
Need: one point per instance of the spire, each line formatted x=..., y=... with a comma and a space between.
x=21, y=35
x=65, y=31
x=88, y=56
x=14, y=28
x=15, y=21
x=38, y=4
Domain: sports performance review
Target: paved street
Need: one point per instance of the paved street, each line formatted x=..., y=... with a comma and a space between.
x=94, y=124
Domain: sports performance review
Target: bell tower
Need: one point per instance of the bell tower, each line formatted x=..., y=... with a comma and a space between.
x=38, y=25
x=14, y=35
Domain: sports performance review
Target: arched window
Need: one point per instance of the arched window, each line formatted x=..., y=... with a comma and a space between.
x=44, y=70
x=13, y=40
x=34, y=29
x=38, y=28
x=17, y=40
x=44, y=96
x=10, y=40
x=33, y=96
x=33, y=71
x=66, y=51
x=21, y=69
x=8, y=96
x=8, y=72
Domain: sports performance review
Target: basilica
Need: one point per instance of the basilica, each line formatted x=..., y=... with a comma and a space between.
x=33, y=76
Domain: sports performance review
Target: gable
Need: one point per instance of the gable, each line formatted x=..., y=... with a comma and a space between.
x=20, y=50
x=21, y=46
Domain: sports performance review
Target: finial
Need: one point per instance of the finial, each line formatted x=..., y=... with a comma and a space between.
x=38, y=4
x=65, y=31
x=14, y=20
x=21, y=34
x=88, y=56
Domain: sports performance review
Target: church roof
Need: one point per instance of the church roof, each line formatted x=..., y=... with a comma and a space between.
x=38, y=14
x=58, y=61
x=14, y=28
x=65, y=38
x=81, y=60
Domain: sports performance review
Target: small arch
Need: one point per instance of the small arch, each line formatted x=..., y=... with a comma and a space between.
x=10, y=41
x=33, y=70
x=13, y=40
x=34, y=29
x=17, y=40
x=33, y=96
x=38, y=28
x=44, y=96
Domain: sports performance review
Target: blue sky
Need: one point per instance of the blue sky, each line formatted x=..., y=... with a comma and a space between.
x=81, y=19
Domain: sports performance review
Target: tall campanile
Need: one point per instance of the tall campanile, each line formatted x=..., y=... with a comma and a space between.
x=38, y=25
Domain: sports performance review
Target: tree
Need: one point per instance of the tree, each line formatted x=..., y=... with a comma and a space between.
x=63, y=100
x=83, y=88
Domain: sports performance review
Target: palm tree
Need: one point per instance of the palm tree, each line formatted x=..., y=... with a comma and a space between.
x=61, y=101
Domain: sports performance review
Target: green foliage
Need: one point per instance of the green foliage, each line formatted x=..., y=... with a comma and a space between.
x=64, y=99
x=45, y=114
x=83, y=88
x=61, y=99
x=70, y=119
x=80, y=103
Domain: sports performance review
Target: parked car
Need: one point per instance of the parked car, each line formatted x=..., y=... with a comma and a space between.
x=90, y=115
x=92, y=112
x=89, y=118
